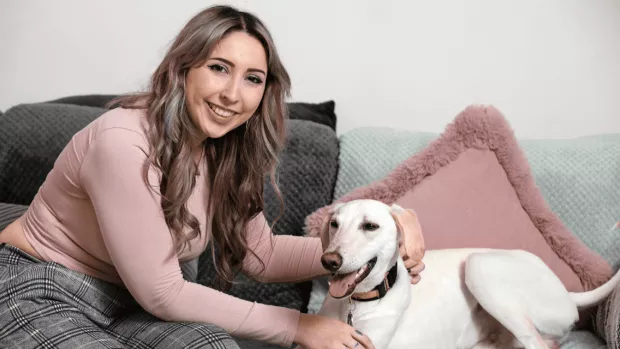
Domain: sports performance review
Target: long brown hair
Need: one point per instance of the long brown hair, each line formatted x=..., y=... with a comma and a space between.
x=237, y=162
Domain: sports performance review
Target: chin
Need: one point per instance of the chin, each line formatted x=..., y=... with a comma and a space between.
x=218, y=131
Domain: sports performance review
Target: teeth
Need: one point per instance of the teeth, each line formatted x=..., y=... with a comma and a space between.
x=362, y=270
x=221, y=112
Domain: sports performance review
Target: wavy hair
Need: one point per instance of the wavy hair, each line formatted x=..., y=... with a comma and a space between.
x=237, y=162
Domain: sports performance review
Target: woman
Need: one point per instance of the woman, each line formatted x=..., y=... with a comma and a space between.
x=94, y=262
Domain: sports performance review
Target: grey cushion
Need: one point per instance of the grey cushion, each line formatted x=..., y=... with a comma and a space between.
x=306, y=178
x=322, y=113
x=31, y=137
x=9, y=213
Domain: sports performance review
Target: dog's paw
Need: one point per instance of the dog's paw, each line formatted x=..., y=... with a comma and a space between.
x=552, y=344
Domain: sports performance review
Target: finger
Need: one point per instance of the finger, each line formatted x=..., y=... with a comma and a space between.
x=363, y=340
x=415, y=279
x=403, y=252
x=416, y=268
x=353, y=345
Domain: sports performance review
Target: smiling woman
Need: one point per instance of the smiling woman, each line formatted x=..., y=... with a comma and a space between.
x=225, y=91
x=149, y=185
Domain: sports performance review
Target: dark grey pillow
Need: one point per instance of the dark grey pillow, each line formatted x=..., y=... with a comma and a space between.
x=9, y=213
x=31, y=138
x=322, y=112
x=33, y=135
x=306, y=177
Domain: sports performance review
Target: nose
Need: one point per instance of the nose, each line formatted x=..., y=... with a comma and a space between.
x=331, y=261
x=231, y=92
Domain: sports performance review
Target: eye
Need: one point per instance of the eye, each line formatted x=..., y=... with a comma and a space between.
x=255, y=79
x=218, y=68
x=333, y=223
x=369, y=226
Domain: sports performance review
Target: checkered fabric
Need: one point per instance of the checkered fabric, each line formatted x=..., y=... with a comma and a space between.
x=45, y=305
x=606, y=321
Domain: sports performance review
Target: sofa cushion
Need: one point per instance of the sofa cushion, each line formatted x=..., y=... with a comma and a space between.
x=606, y=319
x=582, y=339
x=472, y=187
x=32, y=136
x=578, y=177
x=306, y=178
x=321, y=113
x=9, y=213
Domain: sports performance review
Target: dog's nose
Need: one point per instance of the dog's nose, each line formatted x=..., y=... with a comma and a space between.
x=331, y=261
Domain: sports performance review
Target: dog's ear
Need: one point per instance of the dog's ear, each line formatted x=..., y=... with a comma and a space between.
x=325, y=231
x=325, y=225
x=411, y=240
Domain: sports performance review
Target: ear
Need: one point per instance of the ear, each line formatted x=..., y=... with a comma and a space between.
x=325, y=225
x=325, y=231
x=411, y=240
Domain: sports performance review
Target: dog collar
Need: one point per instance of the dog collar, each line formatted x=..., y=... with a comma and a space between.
x=380, y=290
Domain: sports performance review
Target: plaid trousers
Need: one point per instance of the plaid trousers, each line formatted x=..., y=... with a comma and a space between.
x=46, y=305
x=606, y=320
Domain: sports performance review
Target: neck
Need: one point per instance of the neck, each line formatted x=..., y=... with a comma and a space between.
x=381, y=289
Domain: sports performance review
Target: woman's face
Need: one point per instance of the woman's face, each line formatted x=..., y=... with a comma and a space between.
x=226, y=90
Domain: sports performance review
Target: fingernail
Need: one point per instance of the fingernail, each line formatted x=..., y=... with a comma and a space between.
x=358, y=332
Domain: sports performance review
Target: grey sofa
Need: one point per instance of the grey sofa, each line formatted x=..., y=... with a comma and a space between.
x=580, y=179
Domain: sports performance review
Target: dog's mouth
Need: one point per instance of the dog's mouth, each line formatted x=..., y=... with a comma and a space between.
x=342, y=285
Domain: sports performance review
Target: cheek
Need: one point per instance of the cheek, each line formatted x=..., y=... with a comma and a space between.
x=253, y=98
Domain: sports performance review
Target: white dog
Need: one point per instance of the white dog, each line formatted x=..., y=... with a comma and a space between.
x=468, y=298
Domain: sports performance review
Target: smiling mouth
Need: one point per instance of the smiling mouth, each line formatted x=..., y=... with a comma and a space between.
x=343, y=285
x=220, y=111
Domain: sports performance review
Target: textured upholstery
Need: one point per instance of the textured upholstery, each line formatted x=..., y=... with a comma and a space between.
x=579, y=178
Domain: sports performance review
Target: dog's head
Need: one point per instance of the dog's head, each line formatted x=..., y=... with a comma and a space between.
x=362, y=241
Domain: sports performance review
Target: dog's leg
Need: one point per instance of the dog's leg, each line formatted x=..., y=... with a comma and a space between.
x=331, y=308
x=480, y=331
x=518, y=324
x=494, y=278
x=380, y=329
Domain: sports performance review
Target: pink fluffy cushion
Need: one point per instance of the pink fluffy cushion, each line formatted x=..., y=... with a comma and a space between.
x=472, y=187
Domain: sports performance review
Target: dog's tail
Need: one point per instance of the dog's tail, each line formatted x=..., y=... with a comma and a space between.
x=593, y=297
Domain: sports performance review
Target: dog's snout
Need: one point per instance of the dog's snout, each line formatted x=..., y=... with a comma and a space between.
x=331, y=261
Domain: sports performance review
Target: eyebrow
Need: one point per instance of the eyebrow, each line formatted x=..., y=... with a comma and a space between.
x=232, y=65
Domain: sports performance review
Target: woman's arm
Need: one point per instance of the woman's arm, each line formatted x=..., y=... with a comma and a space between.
x=286, y=258
x=141, y=248
x=295, y=258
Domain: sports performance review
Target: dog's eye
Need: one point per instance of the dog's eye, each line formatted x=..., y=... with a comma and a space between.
x=333, y=223
x=370, y=226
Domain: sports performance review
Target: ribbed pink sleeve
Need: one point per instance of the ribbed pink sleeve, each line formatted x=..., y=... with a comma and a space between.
x=286, y=258
x=139, y=244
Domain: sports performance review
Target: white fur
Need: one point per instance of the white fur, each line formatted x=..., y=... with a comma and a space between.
x=467, y=298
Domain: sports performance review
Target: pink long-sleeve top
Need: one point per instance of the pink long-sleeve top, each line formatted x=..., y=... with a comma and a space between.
x=95, y=214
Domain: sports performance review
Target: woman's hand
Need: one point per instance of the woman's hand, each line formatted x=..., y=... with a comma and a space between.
x=411, y=245
x=414, y=268
x=320, y=332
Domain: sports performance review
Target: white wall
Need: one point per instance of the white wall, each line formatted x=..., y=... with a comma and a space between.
x=552, y=66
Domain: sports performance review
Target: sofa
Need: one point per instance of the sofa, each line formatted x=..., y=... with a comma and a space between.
x=578, y=179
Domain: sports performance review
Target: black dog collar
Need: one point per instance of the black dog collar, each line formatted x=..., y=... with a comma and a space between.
x=380, y=290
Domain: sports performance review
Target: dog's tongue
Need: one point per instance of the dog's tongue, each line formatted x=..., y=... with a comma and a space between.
x=341, y=285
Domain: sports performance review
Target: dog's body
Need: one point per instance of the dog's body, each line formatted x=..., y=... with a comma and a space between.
x=468, y=298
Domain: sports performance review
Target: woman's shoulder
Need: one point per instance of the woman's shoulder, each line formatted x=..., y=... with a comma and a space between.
x=124, y=121
x=113, y=134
